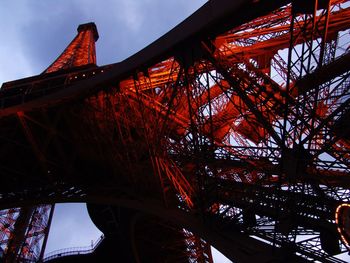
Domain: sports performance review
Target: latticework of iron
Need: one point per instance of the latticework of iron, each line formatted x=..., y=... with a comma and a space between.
x=237, y=131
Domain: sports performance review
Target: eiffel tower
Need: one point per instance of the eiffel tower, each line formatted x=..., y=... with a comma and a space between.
x=230, y=130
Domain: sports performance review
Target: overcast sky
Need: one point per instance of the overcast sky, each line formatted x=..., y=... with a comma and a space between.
x=34, y=33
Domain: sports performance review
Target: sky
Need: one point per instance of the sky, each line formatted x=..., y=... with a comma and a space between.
x=34, y=33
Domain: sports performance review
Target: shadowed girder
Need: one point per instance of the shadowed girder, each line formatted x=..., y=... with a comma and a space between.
x=231, y=129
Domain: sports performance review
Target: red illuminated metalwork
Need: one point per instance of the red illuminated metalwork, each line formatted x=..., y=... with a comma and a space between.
x=80, y=52
x=24, y=231
x=342, y=219
x=235, y=130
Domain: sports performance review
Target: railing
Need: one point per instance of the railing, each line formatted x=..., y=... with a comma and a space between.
x=31, y=90
x=72, y=251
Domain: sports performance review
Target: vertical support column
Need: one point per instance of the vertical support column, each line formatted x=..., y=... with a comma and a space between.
x=17, y=237
x=28, y=233
x=47, y=229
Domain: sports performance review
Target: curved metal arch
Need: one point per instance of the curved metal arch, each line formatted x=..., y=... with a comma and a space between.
x=235, y=245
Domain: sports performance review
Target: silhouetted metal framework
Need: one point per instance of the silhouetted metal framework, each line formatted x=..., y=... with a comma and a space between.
x=230, y=130
x=24, y=231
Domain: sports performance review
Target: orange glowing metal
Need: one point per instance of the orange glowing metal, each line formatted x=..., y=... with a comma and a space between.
x=179, y=181
x=342, y=219
x=218, y=116
x=81, y=51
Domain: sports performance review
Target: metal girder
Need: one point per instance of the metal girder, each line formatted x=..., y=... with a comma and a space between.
x=200, y=122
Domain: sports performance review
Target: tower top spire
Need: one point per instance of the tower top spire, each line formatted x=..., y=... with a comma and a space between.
x=81, y=51
x=89, y=26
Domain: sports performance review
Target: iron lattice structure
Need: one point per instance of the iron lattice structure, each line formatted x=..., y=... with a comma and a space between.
x=231, y=130
x=24, y=232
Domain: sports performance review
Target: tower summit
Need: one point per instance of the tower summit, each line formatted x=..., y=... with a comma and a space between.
x=80, y=52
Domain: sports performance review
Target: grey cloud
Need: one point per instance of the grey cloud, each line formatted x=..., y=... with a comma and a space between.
x=71, y=227
x=44, y=28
